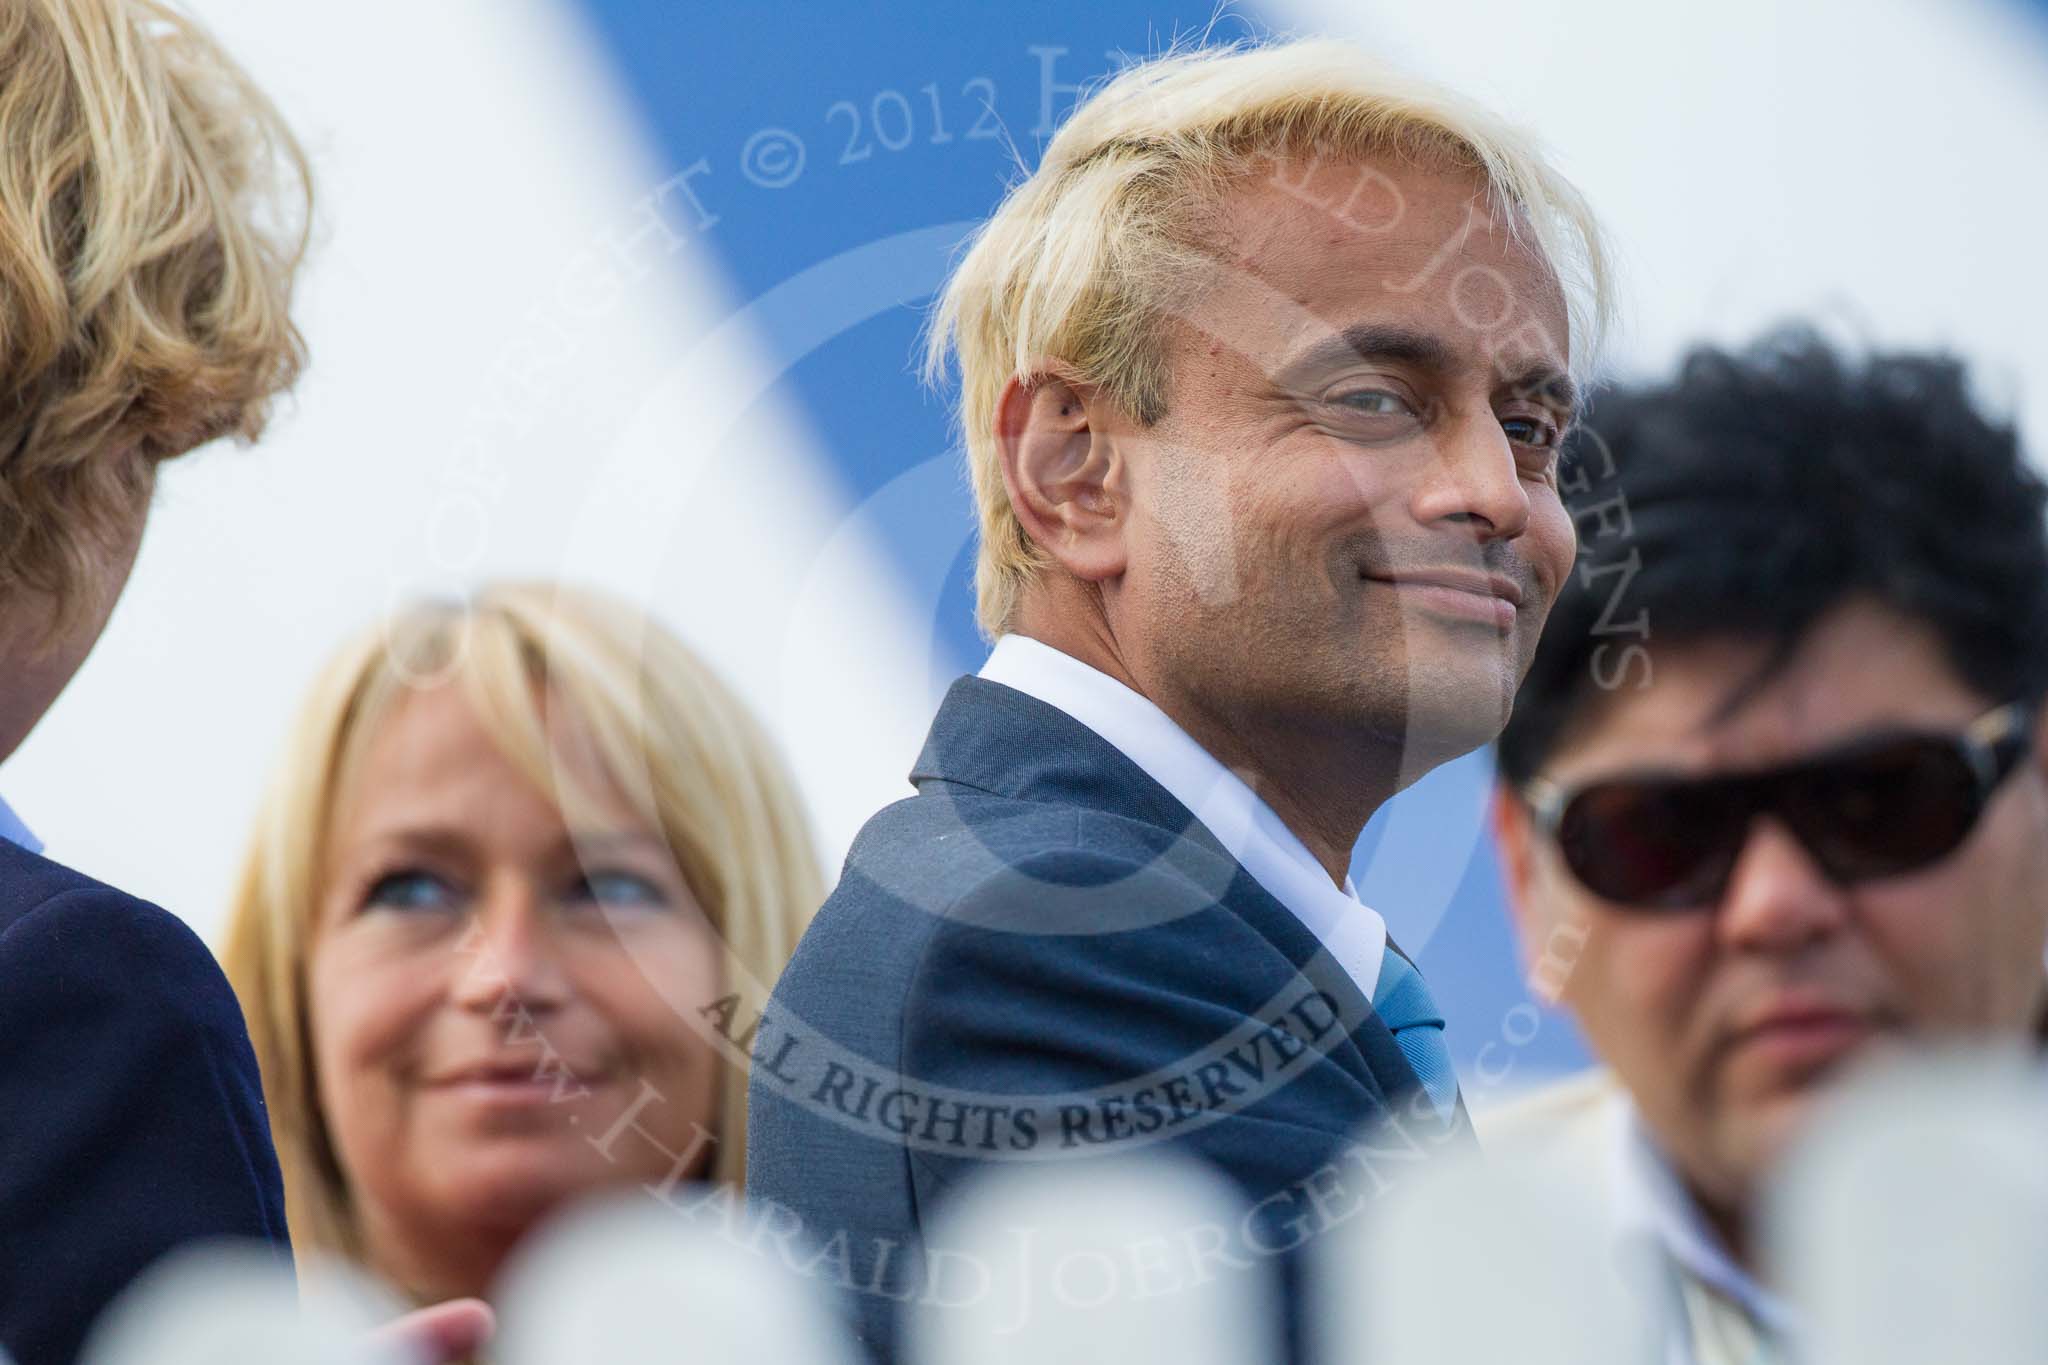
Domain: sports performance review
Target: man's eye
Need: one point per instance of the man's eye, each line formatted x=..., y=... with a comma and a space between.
x=1372, y=402
x=618, y=889
x=411, y=890
x=1530, y=431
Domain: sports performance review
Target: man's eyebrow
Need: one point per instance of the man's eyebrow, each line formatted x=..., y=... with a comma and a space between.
x=1373, y=341
x=1406, y=345
x=1547, y=383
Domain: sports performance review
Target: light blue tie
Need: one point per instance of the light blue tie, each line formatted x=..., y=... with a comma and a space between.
x=1409, y=1011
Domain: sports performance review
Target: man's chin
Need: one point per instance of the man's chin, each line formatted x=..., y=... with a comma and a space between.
x=1770, y=1128
x=1454, y=710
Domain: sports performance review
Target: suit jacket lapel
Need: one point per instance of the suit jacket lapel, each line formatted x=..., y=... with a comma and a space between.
x=997, y=739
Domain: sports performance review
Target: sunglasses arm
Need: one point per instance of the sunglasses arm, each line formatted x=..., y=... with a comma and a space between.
x=1546, y=802
x=1995, y=741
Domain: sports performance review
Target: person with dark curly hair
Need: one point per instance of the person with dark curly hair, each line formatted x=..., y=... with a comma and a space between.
x=1774, y=796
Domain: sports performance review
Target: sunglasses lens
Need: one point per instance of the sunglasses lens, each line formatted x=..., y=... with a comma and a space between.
x=1652, y=844
x=1891, y=810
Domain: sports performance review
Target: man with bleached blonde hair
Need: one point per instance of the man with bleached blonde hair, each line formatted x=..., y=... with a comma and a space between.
x=152, y=218
x=1263, y=374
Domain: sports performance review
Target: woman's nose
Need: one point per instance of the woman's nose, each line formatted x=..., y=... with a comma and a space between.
x=515, y=956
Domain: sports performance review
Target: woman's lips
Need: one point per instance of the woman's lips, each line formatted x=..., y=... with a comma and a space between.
x=539, y=1082
x=516, y=1094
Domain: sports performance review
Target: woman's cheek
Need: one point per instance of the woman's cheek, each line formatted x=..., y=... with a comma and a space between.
x=368, y=1012
x=617, y=982
x=666, y=1032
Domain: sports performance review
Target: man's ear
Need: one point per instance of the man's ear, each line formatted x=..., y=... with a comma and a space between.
x=1514, y=836
x=1066, y=483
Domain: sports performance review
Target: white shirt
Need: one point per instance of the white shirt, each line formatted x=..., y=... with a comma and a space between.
x=1650, y=1199
x=15, y=832
x=1591, y=1122
x=1350, y=931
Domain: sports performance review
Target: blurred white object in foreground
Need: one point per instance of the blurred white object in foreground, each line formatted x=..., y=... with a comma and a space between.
x=1912, y=1225
x=1105, y=1262
x=228, y=1304
x=628, y=1280
x=1477, y=1260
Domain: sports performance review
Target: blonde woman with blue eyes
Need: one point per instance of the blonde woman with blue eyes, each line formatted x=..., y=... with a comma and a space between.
x=519, y=851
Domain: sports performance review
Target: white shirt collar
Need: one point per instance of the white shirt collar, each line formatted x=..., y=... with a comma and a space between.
x=15, y=832
x=1651, y=1200
x=1244, y=824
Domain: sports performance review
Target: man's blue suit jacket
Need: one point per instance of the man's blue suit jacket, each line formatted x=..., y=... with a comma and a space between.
x=1043, y=926
x=131, y=1116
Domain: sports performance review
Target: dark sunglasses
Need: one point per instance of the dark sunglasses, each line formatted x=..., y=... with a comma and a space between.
x=1877, y=806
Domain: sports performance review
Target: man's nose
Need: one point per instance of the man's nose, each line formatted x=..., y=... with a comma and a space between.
x=517, y=955
x=1778, y=898
x=1474, y=481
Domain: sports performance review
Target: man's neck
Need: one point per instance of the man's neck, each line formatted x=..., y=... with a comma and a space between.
x=1301, y=774
x=1320, y=783
x=35, y=664
x=1729, y=1224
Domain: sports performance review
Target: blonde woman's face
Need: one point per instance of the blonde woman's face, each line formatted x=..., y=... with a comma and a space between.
x=502, y=1008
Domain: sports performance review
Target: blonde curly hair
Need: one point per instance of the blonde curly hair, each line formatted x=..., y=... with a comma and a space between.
x=153, y=213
